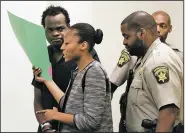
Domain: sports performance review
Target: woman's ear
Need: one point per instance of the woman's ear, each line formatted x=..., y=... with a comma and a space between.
x=84, y=45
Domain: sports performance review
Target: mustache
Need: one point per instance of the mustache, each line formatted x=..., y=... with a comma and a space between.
x=126, y=46
x=58, y=39
x=58, y=45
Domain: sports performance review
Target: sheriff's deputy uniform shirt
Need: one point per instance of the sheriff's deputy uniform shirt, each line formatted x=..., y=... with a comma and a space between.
x=158, y=81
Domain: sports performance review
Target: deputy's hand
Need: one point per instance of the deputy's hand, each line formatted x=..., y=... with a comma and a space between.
x=49, y=114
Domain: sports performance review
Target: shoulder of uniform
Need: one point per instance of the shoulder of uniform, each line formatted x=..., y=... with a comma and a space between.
x=159, y=55
x=173, y=47
x=124, y=58
x=162, y=57
x=158, y=64
x=161, y=52
x=177, y=50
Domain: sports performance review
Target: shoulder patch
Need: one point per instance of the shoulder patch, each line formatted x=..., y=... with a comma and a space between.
x=124, y=58
x=161, y=73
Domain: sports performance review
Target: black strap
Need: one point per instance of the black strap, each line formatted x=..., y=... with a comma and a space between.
x=84, y=77
x=129, y=81
x=131, y=76
x=60, y=125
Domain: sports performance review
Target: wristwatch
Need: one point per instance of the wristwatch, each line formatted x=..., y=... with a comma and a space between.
x=45, y=126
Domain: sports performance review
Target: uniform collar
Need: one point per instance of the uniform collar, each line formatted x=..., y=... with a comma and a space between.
x=150, y=49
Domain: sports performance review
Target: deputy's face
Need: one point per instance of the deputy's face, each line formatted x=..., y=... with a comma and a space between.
x=55, y=27
x=163, y=25
x=130, y=38
x=133, y=44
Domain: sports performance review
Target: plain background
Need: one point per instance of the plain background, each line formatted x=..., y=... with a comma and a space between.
x=16, y=91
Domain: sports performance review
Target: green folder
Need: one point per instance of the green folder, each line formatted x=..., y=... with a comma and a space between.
x=32, y=39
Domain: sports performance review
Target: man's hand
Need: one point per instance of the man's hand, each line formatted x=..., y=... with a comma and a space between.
x=34, y=69
x=37, y=71
x=49, y=114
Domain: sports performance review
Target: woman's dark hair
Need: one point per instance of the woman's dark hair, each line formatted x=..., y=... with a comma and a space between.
x=87, y=33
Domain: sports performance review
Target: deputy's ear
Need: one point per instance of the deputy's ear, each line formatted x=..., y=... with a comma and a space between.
x=141, y=33
x=170, y=28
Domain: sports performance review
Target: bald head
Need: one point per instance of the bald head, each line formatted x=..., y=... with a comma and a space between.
x=139, y=31
x=140, y=19
x=163, y=14
x=163, y=22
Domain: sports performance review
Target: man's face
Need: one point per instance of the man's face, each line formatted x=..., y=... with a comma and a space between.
x=132, y=42
x=130, y=38
x=55, y=26
x=71, y=46
x=163, y=26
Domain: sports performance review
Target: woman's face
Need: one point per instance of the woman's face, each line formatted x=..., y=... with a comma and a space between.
x=71, y=46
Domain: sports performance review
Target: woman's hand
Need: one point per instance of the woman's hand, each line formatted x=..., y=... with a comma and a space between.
x=37, y=72
x=49, y=114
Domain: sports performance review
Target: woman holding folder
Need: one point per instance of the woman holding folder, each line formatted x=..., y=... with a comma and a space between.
x=86, y=104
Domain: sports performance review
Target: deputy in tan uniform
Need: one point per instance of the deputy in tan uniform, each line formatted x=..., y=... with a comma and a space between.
x=164, y=27
x=157, y=84
x=120, y=72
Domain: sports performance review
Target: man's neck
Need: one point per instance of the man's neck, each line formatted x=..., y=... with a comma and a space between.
x=58, y=55
x=151, y=41
x=147, y=46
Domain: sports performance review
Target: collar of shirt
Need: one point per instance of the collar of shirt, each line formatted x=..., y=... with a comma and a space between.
x=149, y=51
x=57, y=54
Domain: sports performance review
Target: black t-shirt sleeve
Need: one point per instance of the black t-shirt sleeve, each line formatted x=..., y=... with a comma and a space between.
x=36, y=84
x=95, y=55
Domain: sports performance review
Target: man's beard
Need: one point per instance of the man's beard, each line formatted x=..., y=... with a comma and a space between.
x=138, y=48
x=163, y=39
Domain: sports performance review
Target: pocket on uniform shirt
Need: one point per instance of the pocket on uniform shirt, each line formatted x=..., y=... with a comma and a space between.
x=138, y=93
